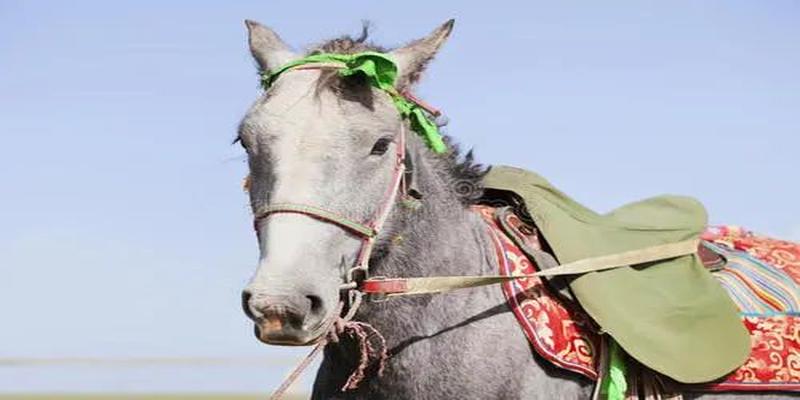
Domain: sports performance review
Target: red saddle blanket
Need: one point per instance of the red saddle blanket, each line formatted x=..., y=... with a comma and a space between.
x=761, y=274
x=557, y=328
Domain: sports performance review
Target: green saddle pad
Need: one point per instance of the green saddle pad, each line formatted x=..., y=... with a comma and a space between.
x=670, y=315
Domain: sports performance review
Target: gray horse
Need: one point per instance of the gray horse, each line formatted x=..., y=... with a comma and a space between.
x=316, y=138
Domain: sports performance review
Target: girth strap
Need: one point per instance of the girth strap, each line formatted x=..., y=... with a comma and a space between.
x=436, y=284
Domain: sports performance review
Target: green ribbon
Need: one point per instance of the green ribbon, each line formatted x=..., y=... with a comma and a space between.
x=615, y=385
x=381, y=71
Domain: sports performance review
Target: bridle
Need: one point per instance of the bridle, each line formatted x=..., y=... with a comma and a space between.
x=368, y=231
x=381, y=71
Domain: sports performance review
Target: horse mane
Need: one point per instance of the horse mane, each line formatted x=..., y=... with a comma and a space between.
x=347, y=44
x=463, y=172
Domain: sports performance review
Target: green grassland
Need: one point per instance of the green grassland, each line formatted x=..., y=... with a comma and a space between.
x=142, y=397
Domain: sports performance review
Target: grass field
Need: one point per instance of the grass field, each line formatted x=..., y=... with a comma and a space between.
x=56, y=396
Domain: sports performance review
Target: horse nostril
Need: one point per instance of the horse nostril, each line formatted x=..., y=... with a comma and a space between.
x=246, y=295
x=316, y=304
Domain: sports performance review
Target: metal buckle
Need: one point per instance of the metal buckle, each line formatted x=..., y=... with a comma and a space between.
x=350, y=295
x=356, y=274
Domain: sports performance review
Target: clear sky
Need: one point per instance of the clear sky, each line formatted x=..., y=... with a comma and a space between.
x=125, y=232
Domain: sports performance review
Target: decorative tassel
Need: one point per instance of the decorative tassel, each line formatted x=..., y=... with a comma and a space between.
x=615, y=386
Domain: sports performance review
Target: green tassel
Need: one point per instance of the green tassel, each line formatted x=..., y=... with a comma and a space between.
x=615, y=386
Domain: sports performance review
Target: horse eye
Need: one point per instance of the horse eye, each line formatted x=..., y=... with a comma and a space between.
x=380, y=146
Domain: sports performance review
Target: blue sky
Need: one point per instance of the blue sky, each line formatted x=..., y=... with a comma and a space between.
x=125, y=232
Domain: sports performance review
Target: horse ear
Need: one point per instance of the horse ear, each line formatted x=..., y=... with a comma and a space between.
x=412, y=58
x=268, y=49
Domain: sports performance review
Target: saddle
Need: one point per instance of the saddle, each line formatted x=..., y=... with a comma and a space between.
x=761, y=275
x=671, y=315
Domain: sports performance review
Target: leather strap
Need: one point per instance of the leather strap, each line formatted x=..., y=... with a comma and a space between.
x=526, y=237
x=392, y=287
x=528, y=244
x=318, y=213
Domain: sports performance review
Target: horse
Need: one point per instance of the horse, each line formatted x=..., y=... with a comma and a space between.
x=328, y=141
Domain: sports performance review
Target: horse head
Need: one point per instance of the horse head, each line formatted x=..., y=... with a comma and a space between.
x=324, y=150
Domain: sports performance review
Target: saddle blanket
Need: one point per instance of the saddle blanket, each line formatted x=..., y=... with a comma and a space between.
x=762, y=276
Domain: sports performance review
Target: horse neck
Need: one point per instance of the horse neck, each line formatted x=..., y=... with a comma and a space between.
x=442, y=237
x=433, y=332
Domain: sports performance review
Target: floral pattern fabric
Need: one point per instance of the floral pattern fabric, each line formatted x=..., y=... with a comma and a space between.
x=774, y=362
x=558, y=329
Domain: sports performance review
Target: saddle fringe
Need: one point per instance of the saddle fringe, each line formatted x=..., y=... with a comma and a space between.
x=643, y=383
x=648, y=385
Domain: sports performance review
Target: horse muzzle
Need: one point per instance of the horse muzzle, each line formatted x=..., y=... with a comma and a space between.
x=291, y=320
